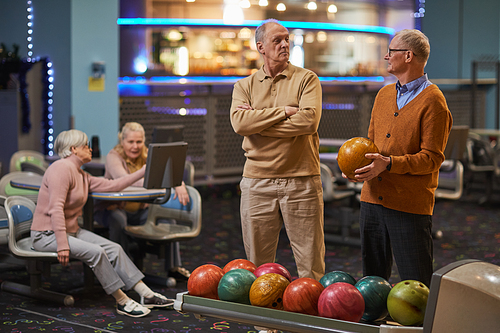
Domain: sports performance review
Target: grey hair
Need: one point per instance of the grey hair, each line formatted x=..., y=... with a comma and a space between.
x=67, y=139
x=416, y=41
x=260, y=32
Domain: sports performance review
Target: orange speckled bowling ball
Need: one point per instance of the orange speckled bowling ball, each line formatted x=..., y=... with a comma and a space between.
x=267, y=291
x=351, y=155
x=204, y=281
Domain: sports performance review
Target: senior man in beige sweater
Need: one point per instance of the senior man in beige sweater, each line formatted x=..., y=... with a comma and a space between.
x=277, y=110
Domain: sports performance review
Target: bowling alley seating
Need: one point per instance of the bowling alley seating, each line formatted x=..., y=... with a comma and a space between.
x=189, y=173
x=332, y=192
x=28, y=160
x=481, y=158
x=155, y=237
x=451, y=173
x=7, y=190
x=19, y=211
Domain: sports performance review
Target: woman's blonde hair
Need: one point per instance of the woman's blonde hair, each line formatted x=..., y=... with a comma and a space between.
x=67, y=139
x=122, y=135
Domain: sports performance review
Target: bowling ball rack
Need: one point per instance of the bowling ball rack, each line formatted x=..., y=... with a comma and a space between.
x=276, y=319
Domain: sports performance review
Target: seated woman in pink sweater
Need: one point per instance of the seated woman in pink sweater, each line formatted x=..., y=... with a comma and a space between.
x=129, y=155
x=63, y=193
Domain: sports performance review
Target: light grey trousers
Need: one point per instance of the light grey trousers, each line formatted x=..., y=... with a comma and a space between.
x=110, y=264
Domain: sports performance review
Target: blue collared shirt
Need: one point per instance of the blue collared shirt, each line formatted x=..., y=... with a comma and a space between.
x=410, y=90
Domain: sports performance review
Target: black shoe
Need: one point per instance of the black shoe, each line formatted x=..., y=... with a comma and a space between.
x=179, y=273
x=157, y=301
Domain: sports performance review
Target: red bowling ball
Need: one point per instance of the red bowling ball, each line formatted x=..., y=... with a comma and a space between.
x=341, y=301
x=239, y=263
x=204, y=281
x=302, y=296
x=273, y=268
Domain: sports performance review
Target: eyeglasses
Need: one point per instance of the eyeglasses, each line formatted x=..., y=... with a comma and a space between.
x=395, y=50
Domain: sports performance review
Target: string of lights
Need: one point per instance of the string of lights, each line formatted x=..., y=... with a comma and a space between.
x=48, y=86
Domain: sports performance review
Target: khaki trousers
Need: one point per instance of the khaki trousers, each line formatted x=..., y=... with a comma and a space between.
x=297, y=203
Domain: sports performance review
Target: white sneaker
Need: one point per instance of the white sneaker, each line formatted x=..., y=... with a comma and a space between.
x=132, y=309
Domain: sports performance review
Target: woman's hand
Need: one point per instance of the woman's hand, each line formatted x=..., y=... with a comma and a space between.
x=63, y=257
x=182, y=194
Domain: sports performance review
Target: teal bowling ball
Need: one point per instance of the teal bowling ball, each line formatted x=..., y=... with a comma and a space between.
x=235, y=285
x=336, y=276
x=375, y=291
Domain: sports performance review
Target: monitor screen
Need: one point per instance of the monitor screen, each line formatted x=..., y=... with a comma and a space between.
x=165, y=165
x=167, y=134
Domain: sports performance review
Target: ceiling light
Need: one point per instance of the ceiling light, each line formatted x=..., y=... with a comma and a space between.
x=263, y=3
x=281, y=7
x=245, y=4
x=332, y=9
x=312, y=5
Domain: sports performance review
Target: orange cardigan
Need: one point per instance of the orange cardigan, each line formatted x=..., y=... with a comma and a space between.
x=415, y=138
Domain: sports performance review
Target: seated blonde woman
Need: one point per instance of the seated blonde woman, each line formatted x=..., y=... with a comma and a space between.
x=63, y=193
x=129, y=155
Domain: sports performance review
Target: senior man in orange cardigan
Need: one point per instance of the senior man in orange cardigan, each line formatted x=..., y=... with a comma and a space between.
x=410, y=124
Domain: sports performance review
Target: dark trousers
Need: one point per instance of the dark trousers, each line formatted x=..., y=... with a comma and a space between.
x=386, y=233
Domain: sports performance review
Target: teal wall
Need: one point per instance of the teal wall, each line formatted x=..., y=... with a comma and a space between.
x=95, y=37
x=461, y=31
x=73, y=34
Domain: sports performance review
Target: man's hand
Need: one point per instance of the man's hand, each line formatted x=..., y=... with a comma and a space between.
x=290, y=111
x=373, y=169
x=244, y=107
x=63, y=257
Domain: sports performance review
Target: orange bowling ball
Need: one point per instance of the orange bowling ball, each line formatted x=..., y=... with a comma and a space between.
x=204, y=281
x=267, y=291
x=239, y=263
x=351, y=155
x=302, y=296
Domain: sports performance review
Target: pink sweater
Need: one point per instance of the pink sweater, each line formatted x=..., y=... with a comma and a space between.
x=64, y=192
x=116, y=167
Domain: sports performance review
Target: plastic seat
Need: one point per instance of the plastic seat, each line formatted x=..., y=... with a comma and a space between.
x=189, y=173
x=331, y=193
x=154, y=236
x=481, y=158
x=4, y=223
x=451, y=173
x=330, y=190
x=28, y=160
x=451, y=180
x=7, y=190
x=20, y=212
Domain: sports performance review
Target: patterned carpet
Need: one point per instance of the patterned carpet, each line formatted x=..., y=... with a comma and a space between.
x=470, y=231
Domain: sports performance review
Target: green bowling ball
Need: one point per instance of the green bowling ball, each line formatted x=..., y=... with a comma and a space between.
x=375, y=291
x=235, y=285
x=336, y=276
x=407, y=302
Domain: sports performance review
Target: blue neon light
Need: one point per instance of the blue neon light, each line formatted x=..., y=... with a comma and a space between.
x=255, y=23
x=140, y=86
x=127, y=80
